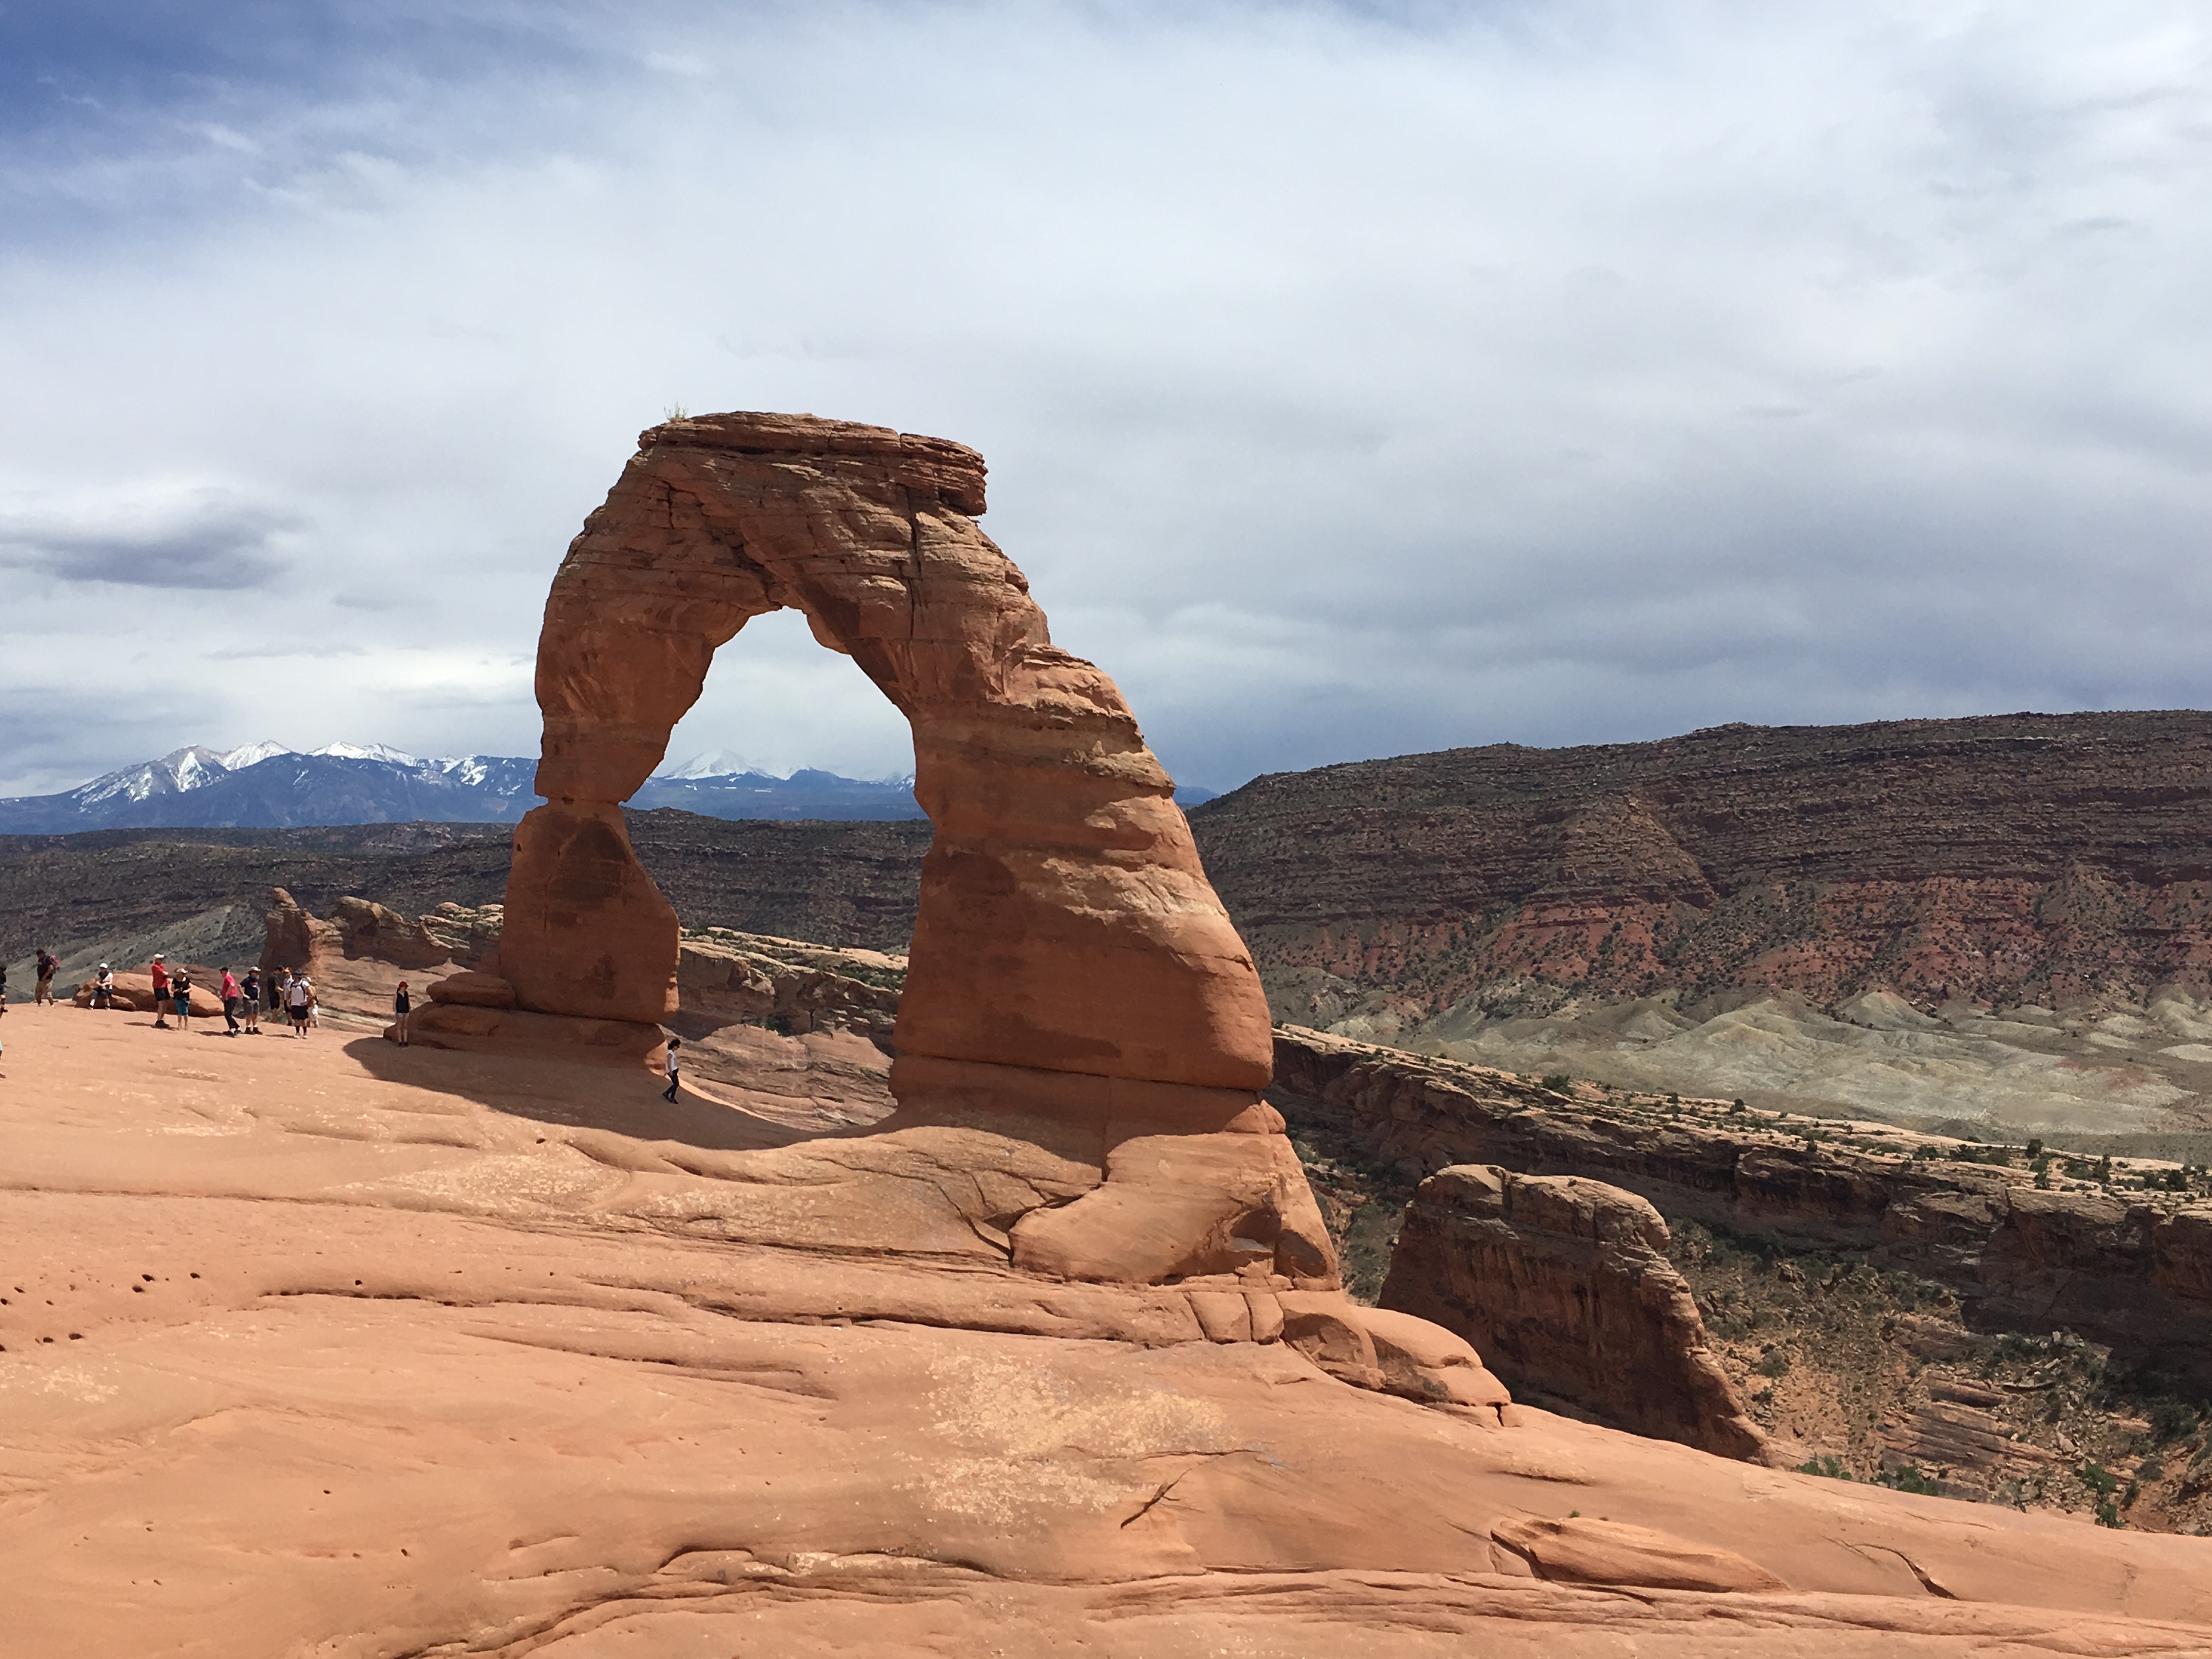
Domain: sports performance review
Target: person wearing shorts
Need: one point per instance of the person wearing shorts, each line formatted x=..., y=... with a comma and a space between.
x=298, y=1001
x=401, y=1004
x=249, y=1001
x=47, y=962
x=180, y=988
x=160, y=994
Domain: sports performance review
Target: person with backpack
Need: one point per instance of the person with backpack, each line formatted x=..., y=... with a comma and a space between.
x=249, y=996
x=299, y=1002
x=48, y=962
x=160, y=993
x=180, y=988
x=674, y=1043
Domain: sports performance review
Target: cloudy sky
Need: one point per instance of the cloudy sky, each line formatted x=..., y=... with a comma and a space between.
x=1356, y=379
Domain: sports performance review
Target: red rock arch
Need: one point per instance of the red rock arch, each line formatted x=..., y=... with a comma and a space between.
x=1066, y=925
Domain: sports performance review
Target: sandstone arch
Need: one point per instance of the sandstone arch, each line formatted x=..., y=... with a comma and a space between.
x=1073, y=978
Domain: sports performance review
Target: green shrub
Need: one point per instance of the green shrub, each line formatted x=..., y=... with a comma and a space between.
x=1559, y=1084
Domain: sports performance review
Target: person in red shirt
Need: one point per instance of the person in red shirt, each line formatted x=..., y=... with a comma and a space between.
x=161, y=995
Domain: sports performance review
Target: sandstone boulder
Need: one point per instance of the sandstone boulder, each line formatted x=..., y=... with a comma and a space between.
x=1564, y=1284
x=473, y=990
x=134, y=993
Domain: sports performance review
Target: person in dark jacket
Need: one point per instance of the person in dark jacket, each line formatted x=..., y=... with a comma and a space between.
x=400, y=1004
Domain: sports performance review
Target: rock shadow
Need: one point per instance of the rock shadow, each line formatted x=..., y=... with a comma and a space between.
x=620, y=1100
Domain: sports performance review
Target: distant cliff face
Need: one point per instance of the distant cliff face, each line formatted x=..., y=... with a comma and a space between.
x=2015, y=858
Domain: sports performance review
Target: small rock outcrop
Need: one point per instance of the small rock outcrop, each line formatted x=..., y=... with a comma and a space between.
x=1563, y=1284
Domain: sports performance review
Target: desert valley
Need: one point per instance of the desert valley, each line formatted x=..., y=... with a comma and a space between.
x=1739, y=1195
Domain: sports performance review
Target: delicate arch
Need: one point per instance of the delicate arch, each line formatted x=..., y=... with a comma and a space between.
x=1065, y=923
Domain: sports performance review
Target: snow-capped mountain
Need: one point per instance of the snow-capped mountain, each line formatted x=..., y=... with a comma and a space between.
x=268, y=785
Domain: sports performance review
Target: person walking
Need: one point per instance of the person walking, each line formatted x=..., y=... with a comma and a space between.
x=103, y=988
x=674, y=1043
x=249, y=1000
x=160, y=993
x=299, y=998
x=400, y=1003
x=47, y=962
x=230, y=994
x=180, y=988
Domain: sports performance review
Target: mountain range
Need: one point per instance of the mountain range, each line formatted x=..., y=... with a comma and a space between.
x=268, y=785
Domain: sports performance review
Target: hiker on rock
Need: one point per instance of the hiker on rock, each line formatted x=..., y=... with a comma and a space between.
x=298, y=1001
x=249, y=1005
x=160, y=993
x=47, y=962
x=180, y=988
x=103, y=988
x=674, y=1043
x=400, y=1004
x=230, y=994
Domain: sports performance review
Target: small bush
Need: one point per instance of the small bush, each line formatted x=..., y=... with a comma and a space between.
x=1777, y=1363
x=1559, y=1084
x=2099, y=1480
x=2170, y=1419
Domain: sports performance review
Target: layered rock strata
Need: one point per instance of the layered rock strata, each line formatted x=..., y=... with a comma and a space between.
x=2046, y=859
x=1074, y=984
x=2133, y=1273
x=1564, y=1285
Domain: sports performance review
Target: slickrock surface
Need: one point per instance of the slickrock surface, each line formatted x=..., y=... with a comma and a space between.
x=1563, y=1285
x=2015, y=859
x=328, y=1347
x=2134, y=1271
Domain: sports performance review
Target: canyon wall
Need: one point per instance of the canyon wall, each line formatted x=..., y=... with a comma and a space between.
x=2134, y=1271
x=2015, y=859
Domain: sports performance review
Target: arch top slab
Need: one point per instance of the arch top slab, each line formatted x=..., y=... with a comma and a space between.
x=1066, y=925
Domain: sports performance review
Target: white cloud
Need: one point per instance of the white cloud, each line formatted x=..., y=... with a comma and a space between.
x=1351, y=385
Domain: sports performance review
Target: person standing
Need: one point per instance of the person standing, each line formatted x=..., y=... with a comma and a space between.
x=400, y=1004
x=674, y=1043
x=230, y=1004
x=160, y=993
x=249, y=994
x=103, y=988
x=180, y=988
x=47, y=962
x=299, y=998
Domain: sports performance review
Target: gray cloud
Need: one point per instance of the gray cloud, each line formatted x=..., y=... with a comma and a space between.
x=1355, y=380
x=206, y=543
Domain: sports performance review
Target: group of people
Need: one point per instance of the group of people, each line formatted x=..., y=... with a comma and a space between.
x=290, y=994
